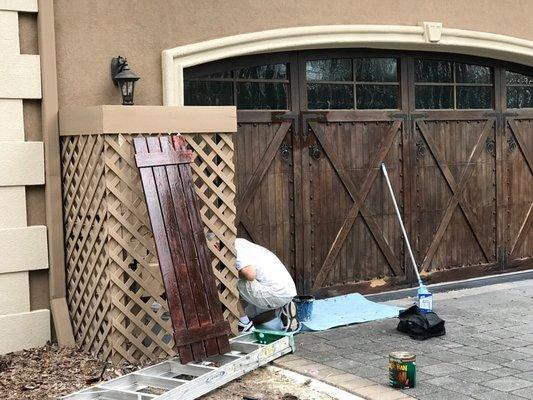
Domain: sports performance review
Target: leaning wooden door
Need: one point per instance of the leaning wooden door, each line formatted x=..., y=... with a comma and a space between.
x=517, y=173
x=350, y=229
x=264, y=160
x=454, y=191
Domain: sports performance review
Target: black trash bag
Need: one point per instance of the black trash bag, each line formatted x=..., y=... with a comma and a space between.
x=419, y=325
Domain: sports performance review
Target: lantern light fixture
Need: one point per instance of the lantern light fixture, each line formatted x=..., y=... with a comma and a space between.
x=124, y=78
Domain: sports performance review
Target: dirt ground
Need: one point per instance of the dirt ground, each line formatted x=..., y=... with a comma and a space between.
x=48, y=372
x=266, y=385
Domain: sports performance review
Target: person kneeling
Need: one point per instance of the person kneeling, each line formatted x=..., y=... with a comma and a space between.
x=264, y=286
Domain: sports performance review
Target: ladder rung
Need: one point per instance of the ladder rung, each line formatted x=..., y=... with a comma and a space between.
x=173, y=368
x=244, y=347
x=141, y=384
x=144, y=374
x=99, y=393
x=224, y=359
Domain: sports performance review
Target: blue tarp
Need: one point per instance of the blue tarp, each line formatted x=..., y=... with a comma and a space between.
x=341, y=310
x=346, y=310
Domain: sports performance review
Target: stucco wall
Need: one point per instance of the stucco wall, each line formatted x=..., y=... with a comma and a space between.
x=23, y=244
x=90, y=33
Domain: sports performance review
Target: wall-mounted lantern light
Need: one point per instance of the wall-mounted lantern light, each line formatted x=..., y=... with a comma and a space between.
x=124, y=78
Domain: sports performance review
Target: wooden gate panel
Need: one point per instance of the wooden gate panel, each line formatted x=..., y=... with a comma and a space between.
x=518, y=153
x=454, y=192
x=354, y=234
x=265, y=186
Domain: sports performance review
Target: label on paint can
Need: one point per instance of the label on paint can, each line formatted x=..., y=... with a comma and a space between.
x=402, y=370
x=425, y=302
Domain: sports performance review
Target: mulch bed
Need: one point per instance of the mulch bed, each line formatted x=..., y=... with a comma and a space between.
x=50, y=371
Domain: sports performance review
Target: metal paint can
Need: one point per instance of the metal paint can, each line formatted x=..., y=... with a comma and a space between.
x=402, y=370
x=304, y=307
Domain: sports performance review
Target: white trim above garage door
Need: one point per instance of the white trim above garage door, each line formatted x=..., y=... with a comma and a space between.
x=428, y=36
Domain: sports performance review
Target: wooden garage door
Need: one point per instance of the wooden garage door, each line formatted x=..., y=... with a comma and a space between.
x=456, y=134
x=353, y=235
x=454, y=175
x=517, y=150
x=265, y=183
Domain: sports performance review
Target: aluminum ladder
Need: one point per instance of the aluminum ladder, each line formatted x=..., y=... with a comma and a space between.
x=172, y=380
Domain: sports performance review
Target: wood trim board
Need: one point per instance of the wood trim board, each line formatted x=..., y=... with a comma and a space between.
x=98, y=120
x=52, y=171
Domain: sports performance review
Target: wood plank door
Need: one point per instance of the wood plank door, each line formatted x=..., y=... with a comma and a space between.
x=350, y=228
x=517, y=152
x=454, y=191
x=265, y=182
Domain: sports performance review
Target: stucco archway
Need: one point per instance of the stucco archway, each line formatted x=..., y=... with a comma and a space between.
x=428, y=36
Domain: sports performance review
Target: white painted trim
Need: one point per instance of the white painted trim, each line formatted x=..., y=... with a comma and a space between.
x=19, y=5
x=428, y=36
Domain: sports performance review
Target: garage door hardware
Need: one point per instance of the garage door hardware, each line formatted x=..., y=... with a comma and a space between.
x=315, y=152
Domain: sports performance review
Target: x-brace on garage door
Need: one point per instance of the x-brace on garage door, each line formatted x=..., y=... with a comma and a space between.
x=308, y=179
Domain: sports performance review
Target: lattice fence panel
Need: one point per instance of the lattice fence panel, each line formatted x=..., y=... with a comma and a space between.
x=122, y=261
x=86, y=249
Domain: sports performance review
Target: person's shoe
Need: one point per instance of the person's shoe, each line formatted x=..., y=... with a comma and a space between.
x=289, y=319
x=245, y=328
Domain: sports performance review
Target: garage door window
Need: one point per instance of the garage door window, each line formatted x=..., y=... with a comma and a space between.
x=264, y=87
x=453, y=85
x=358, y=83
x=519, y=90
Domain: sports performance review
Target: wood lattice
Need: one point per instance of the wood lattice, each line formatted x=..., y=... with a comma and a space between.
x=113, y=278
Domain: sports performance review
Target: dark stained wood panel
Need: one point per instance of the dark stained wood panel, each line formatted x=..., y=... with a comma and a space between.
x=455, y=191
x=265, y=188
x=195, y=310
x=518, y=153
x=463, y=178
x=354, y=232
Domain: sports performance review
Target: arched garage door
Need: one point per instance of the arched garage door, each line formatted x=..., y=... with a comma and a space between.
x=314, y=127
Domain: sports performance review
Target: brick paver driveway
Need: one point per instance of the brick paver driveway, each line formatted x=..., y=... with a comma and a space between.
x=487, y=352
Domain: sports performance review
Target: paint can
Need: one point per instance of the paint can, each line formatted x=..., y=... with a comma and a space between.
x=402, y=370
x=304, y=307
x=425, y=300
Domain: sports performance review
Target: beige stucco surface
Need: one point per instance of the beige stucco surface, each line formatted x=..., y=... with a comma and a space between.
x=24, y=263
x=23, y=249
x=21, y=163
x=17, y=285
x=24, y=330
x=90, y=33
x=12, y=210
x=12, y=122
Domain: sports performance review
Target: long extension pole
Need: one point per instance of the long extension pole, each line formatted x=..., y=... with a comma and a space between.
x=384, y=169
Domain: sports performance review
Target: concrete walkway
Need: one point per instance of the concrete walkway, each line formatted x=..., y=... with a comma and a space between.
x=487, y=352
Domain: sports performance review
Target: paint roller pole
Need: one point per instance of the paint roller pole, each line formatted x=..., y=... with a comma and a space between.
x=401, y=224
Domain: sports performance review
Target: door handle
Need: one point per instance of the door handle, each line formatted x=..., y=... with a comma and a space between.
x=315, y=152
